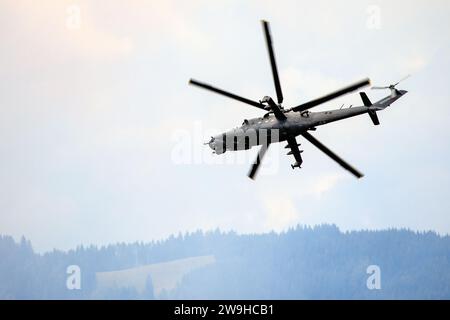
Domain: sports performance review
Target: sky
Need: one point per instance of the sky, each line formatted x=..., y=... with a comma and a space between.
x=101, y=137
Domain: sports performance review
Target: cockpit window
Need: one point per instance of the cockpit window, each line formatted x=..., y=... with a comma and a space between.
x=245, y=123
x=305, y=114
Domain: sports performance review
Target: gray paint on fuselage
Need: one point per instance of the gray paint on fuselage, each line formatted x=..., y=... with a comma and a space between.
x=387, y=101
x=256, y=130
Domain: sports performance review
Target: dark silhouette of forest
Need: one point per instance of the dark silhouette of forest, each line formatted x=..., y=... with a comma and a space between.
x=301, y=263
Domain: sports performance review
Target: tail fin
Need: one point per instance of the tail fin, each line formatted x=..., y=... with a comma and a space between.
x=372, y=113
x=365, y=99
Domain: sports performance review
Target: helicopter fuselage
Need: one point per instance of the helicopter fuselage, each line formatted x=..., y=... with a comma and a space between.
x=269, y=129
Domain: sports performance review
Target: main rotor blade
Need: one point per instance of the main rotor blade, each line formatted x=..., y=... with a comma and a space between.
x=273, y=64
x=255, y=166
x=332, y=155
x=333, y=95
x=227, y=94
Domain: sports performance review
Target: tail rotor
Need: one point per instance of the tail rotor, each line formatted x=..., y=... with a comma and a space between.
x=391, y=86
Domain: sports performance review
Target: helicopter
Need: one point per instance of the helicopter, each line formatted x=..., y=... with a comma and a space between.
x=280, y=124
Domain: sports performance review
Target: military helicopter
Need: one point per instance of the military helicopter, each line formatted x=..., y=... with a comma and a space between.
x=280, y=124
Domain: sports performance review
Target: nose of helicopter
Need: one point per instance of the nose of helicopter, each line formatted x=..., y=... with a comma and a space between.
x=211, y=143
x=216, y=144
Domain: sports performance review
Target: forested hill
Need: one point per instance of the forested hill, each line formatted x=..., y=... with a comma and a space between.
x=302, y=263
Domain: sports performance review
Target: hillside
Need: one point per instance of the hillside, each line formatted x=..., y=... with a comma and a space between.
x=302, y=263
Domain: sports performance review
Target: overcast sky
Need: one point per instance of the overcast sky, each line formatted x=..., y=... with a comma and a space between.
x=101, y=137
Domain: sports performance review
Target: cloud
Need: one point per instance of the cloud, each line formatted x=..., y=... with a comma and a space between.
x=415, y=63
x=326, y=183
x=46, y=34
x=280, y=212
